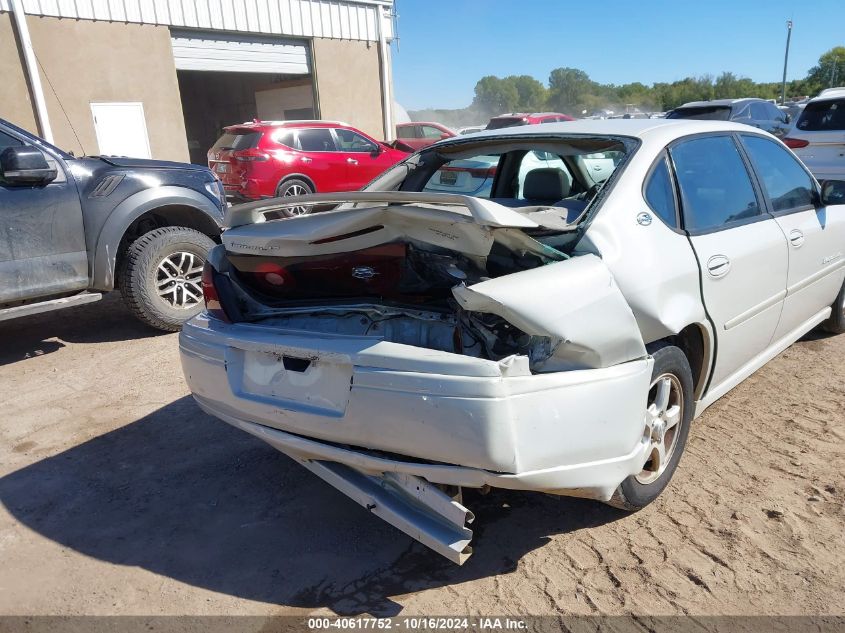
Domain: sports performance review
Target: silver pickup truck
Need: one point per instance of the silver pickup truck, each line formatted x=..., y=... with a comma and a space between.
x=559, y=335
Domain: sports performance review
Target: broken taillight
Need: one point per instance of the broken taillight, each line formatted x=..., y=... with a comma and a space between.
x=795, y=143
x=212, y=297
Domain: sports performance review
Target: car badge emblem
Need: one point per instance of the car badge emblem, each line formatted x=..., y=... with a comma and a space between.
x=643, y=219
x=364, y=272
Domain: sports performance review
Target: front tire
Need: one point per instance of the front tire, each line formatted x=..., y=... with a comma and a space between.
x=294, y=187
x=161, y=279
x=668, y=417
x=836, y=323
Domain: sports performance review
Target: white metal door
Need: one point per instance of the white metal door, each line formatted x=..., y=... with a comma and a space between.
x=121, y=129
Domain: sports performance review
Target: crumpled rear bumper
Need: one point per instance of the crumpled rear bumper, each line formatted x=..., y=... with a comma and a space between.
x=381, y=407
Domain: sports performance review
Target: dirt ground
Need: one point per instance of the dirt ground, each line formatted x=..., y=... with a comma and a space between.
x=119, y=496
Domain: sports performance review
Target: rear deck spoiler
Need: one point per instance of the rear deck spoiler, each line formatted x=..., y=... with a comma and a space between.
x=484, y=212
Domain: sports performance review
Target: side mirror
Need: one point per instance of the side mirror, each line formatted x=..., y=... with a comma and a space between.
x=24, y=165
x=787, y=118
x=377, y=150
x=444, y=136
x=833, y=192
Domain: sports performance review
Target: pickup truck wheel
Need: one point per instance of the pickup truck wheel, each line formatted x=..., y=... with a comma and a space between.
x=294, y=187
x=667, y=421
x=161, y=279
x=836, y=322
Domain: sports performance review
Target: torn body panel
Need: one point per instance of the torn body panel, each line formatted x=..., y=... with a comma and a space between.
x=577, y=305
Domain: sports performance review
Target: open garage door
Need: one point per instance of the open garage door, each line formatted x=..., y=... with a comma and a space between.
x=226, y=79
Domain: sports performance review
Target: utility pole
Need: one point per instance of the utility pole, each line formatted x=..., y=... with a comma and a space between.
x=785, y=60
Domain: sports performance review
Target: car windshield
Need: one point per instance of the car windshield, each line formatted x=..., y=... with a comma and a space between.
x=237, y=139
x=823, y=115
x=505, y=121
x=702, y=113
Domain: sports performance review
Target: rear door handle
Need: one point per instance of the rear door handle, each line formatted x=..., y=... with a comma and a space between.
x=305, y=159
x=796, y=238
x=351, y=161
x=718, y=266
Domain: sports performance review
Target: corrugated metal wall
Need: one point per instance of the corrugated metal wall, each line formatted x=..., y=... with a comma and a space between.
x=307, y=18
x=195, y=50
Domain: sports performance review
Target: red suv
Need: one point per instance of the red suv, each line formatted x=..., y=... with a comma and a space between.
x=266, y=159
x=525, y=118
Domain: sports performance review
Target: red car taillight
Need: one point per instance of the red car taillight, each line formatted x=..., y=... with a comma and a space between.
x=271, y=276
x=250, y=156
x=795, y=143
x=211, y=296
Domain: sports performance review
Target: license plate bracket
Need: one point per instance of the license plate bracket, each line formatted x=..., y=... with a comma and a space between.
x=291, y=381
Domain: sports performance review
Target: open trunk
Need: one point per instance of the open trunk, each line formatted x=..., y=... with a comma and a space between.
x=447, y=273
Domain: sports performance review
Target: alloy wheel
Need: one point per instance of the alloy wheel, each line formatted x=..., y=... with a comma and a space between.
x=297, y=190
x=179, y=279
x=664, y=417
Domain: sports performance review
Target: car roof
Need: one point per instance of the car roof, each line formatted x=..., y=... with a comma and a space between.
x=510, y=115
x=660, y=130
x=434, y=123
x=259, y=124
x=829, y=93
x=720, y=102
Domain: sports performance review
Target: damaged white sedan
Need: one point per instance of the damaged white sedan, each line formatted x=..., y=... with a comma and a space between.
x=558, y=334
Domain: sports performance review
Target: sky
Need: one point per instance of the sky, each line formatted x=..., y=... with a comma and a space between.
x=446, y=46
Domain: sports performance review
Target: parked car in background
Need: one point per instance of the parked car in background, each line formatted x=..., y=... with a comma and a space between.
x=73, y=228
x=793, y=109
x=750, y=111
x=514, y=119
x=554, y=335
x=818, y=137
x=266, y=159
x=422, y=134
x=472, y=129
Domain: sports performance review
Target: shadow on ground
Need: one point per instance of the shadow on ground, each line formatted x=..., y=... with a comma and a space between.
x=99, y=322
x=183, y=495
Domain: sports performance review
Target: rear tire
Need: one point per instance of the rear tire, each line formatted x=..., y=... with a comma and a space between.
x=161, y=276
x=671, y=376
x=294, y=187
x=836, y=323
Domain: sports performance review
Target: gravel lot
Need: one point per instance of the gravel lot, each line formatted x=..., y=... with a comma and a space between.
x=118, y=496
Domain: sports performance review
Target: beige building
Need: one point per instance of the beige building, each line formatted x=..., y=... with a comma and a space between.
x=160, y=78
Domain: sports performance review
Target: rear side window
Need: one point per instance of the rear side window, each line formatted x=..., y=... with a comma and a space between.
x=715, y=187
x=237, y=140
x=823, y=115
x=786, y=182
x=284, y=137
x=316, y=140
x=660, y=195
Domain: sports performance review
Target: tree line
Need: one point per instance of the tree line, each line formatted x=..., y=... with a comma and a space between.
x=571, y=91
